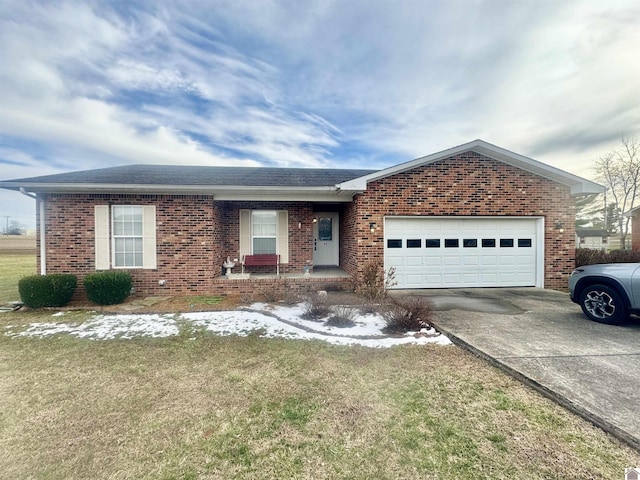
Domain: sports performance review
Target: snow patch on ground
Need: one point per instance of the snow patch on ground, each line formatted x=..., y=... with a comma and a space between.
x=266, y=320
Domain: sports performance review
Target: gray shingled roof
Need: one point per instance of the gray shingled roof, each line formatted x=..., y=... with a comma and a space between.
x=198, y=175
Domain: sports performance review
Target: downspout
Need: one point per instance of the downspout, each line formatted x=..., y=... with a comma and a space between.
x=43, y=248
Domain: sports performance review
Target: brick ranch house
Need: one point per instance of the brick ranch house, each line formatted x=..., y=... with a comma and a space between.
x=475, y=215
x=634, y=213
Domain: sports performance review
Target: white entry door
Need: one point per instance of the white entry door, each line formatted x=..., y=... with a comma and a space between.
x=326, y=231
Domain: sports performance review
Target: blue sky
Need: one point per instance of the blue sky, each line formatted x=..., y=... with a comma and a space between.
x=345, y=83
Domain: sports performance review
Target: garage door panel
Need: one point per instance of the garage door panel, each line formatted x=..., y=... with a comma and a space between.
x=479, y=252
x=449, y=260
x=471, y=260
x=413, y=261
x=432, y=261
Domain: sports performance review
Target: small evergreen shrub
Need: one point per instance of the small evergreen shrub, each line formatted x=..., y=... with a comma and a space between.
x=54, y=290
x=109, y=287
x=408, y=314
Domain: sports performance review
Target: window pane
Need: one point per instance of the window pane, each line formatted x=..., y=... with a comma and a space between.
x=524, y=242
x=470, y=243
x=414, y=243
x=451, y=243
x=264, y=245
x=127, y=232
x=506, y=242
x=325, y=229
x=432, y=243
x=264, y=229
x=488, y=242
x=394, y=243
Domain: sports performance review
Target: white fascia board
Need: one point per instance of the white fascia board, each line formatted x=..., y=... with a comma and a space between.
x=577, y=184
x=224, y=192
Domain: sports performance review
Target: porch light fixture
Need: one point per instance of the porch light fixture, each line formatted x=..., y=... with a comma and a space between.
x=372, y=227
x=559, y=227
x=315, y=220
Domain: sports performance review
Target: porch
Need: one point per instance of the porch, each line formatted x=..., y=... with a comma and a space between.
x=321, y=278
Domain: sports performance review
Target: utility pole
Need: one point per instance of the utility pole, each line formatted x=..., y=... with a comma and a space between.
x=6, y=230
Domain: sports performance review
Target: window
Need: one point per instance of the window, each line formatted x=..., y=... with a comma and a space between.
x=451, y=243
x=506, y=242
x=263, y=231
x=432, y=243
x=325, y=229
x=488, y=242
x=524, y=242
x=417, y=243
x=127, y=236
x=470, y=243
x=394, y=243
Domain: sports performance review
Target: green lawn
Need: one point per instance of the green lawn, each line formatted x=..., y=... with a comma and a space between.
x=14, y=266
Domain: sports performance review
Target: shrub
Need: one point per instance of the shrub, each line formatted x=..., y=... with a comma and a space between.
x=343, y=316
x=109, y=287
x=592, y=256
x=408, y=313
x=54, y=290
x=316, y=307
x=375, y=281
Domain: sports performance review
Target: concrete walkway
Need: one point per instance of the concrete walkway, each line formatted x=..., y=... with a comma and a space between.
x=542, y=338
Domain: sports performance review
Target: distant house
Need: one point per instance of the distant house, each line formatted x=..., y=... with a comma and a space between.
x=634, y=213
x=475, y=215
x=592, y=238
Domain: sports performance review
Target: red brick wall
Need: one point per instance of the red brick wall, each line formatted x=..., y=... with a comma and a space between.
x=635, y=231
x=194, y=234
x=188, y=239
x=468, y=184
x=300, y=232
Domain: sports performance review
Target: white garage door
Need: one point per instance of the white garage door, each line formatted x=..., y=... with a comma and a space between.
x=461, y=252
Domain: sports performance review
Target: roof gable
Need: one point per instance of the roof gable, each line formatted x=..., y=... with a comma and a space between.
x=578, y=184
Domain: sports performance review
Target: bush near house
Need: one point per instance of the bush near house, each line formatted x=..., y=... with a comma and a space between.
x=592, y=256
x=109, y=287
x=54, y=290
x=407, y=314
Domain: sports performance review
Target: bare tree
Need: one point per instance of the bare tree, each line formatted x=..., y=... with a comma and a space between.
x=619, y=170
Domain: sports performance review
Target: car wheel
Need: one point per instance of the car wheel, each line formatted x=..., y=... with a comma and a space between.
x=603, y=304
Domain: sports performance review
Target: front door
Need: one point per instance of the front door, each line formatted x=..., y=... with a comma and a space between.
x=326, y=239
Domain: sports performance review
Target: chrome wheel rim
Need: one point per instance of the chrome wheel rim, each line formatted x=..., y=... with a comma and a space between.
x=600, y=304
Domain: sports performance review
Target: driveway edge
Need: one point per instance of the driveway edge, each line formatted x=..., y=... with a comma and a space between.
x=561, y=400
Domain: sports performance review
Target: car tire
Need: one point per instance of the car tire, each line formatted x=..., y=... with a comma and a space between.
x=603, y=304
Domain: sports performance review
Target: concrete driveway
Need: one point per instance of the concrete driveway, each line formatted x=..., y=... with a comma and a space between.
x=543, y=339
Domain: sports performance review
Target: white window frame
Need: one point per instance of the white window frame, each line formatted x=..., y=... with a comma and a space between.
x=134, y=209
x=105, y=238
x=282, y=233
x=255, y=214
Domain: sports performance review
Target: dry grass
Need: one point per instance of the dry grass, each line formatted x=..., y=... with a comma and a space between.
x=200, y=406
x=14, y=266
